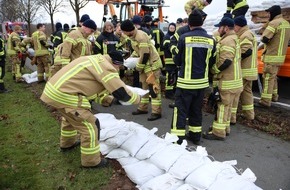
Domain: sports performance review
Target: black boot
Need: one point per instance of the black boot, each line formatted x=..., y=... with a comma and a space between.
x=139, y=112
x=154, y=116
x=76, y=144
x=194, y=137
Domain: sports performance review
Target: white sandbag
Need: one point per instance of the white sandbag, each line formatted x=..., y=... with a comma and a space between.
x=127, y=160
x=186, y=164
x=167, y=156
x=131, y=62
x=110, y=132
x=185, y=187
x=105, y=149
x=205, y=175
x=237, y=183
x=141, y=172
x=119, y=139
x=153, y=145
x=30, y=78
x=106, y=120
x=162, y=182
x=138, y=138
x=118, y=153
x=249, y=175
x=137, y=90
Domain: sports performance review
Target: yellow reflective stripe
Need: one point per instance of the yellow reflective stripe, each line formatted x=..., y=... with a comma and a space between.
x=70, y=40
x=169, y=61
x=105, y=49
x=232, y=84
x=178, y=132
x=96, y=60
x=192, y=83
x=234, y=110
x=144, y=100
x=133, y=98
x=250, y=72
x=221, y=109
x=84, y=45
x=94, y=150
x=227, y=48
x=188, y=59
x=272, y=29
x=143, y=45
x=240, y=4
x=76, y=69
x=109, y=77
x=98, y=45
x=246, y=41
x=91, y=130
x=174, y=130
x=195, y=129
x=219, y=126
x=166, y=41
x=274, y=59
x=68, y=133
x=248, y=107
x=156, y=102
x=63, y=98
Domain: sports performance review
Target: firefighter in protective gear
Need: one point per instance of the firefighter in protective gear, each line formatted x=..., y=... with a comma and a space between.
x=149, y=66
x=170, y=67
x=196, y=55
x=237, y=7
x=59, y=36
x=2, y=66
x=195, y=4
x=13, y=50
x=74, y=46
x=275, y=37
x=53, y=36
x=42, y=55
x=228, y=74
x=107, y=41
x=70, y=91
x=248, y=45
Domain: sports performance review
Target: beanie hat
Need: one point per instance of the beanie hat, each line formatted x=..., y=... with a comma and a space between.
x=137, y=20
x=90, y=24
x=195, y=18
x=116, y=57
x=84, y=18
x=229, y=15
x=240, y=21
x=179, y=20
x=225, y=22
x=66, y=26
x=209, y=1
x=274, y=11
x=147, y=18
x=127, y=26
x=58, y=25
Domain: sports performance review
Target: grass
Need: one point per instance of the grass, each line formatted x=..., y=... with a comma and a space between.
x=29, y=146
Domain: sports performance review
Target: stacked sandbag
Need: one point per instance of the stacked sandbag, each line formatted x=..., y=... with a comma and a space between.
x=155, y=163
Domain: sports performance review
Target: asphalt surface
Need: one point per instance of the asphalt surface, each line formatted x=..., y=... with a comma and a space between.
x=267, y=156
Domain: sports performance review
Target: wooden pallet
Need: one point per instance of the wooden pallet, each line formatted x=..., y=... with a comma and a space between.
x=262, y=16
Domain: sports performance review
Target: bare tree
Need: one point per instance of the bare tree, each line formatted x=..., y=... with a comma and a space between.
x=7, y=10
x=77, y=5
x=27, y=11
x=52, y=7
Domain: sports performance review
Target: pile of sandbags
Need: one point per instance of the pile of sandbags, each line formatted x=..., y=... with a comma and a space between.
x=155, y=163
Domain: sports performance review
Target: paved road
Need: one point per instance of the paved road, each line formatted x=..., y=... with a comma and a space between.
x=268, y=157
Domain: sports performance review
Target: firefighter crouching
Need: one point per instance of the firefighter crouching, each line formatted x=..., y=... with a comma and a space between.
x=13, y=51
x=275, y=37
x=149, y=66
x=42, y=55
x=70, y=91
x=196, y=55
x=228, y=74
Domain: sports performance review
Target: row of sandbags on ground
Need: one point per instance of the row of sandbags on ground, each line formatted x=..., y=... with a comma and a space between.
x=155, y=163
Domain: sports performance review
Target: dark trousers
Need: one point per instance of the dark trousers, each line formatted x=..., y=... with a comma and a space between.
x=240, y=11
x=189, y=105
x=2, y=73
x=136, y=81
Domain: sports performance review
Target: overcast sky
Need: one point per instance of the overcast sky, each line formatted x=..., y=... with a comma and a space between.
x=174, y=11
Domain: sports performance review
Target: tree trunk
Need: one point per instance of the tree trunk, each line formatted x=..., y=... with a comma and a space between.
x=52, y=23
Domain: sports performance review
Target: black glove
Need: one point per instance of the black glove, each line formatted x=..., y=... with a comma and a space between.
x=172, y=78
x=151, y=91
